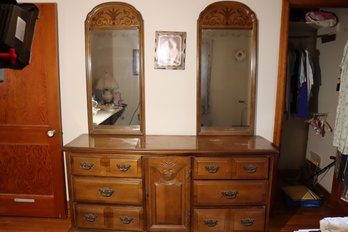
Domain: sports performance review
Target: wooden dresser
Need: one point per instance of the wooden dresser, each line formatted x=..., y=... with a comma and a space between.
x=170, y=183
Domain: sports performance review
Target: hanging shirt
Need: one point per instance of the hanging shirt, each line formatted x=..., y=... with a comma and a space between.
x=309, y=74
x=340, y=139
x=302, y=99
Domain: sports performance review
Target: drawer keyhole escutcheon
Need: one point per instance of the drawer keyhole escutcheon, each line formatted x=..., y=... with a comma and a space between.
x=250, y=168
x=211, y=222
x=247, y=221
x=106, y=192
x=229, y=194
x=86, y=165
x=90, y=217
x=126, y=219
x=123, y=167
x=212, y=169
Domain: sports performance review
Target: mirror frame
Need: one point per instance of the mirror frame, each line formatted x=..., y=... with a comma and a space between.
x=113, y=16
x=228, y=15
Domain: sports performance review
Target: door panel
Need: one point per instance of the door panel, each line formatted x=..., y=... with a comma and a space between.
x=168, y=193
x=31, y=162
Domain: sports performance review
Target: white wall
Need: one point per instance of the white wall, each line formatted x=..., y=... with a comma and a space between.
x=170, y=95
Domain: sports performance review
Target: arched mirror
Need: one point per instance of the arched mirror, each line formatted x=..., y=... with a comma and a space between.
x=114, y=61
x=227, y=38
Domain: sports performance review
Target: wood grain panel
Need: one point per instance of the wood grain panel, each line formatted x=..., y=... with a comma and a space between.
x=16, y=164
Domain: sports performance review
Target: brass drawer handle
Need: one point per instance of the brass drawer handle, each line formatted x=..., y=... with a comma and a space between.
x=123, y=167
x=229, y=194
x=212, y=169
x=247, y=221
x=90, y=217
x=106, y=192
x=126, y=219
x=86, y=165
x=250, y=168
x=211, y=222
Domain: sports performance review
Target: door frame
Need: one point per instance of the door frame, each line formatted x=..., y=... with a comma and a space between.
x=281, y=82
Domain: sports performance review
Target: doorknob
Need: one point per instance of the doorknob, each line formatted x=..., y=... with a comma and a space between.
x=51, y=133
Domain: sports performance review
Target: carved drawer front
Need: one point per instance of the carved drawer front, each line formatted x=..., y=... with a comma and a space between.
x=122, y=166
x=212, y=168
x=223, y=220
x=208, y=220
x=251, y=168
x=247, y=192
x=108, y=190
x=86, y=166
x=248, y=219
x=231, y=168
x=126, y=167
x=110, y=217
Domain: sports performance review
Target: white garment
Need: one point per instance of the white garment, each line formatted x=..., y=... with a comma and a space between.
x=309, y=75
x=340, y=139
x=334, y=224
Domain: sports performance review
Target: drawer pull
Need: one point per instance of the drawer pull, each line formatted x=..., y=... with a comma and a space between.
x=90, y=217
x=229, y=194
x=86, y=165
x=247, y=221
x=250, y=168
x=211, y=222
x=106, y=192
x=123, y=167
x=212, y=169
x=126, y=219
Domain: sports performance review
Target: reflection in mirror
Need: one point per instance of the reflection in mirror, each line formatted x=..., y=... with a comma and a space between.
x=114, y=69
x=115, y=82
x=225, y=68
x=226, y=81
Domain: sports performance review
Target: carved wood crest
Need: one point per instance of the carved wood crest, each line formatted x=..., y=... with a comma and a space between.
x=109, y=15
x=168, y=169
x=227, y=14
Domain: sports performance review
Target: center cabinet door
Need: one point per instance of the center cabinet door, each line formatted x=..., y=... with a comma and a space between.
x=168, y=193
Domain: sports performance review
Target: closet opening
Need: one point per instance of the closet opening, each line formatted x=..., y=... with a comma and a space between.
x=307, y=153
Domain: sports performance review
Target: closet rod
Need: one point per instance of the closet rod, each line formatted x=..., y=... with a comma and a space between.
x=309, y=36
x=318, y=114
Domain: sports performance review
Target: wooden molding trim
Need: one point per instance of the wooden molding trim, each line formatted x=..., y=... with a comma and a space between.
x=108, y=16
x=227, y=14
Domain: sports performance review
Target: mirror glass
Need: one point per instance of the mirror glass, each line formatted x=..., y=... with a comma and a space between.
x=226, y=79
x=114, y=69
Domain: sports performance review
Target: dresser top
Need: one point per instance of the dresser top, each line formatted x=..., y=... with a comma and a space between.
x=171, y=143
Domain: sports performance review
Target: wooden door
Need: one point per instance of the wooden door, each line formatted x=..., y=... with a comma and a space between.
x=31, y=162
x=167, y=182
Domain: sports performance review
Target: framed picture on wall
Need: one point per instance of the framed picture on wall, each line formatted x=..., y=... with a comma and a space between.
x=170, y=50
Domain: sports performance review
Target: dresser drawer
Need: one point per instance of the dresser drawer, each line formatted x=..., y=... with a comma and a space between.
x=222, y=220
x=247, y=192
x=211, y=220
x=123, y=218
x=108, y=190
x=251, y=168
x=230, y=168
x=248, y=219
x=103, y=165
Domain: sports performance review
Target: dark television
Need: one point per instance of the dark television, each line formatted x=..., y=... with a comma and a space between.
x=17, y=25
